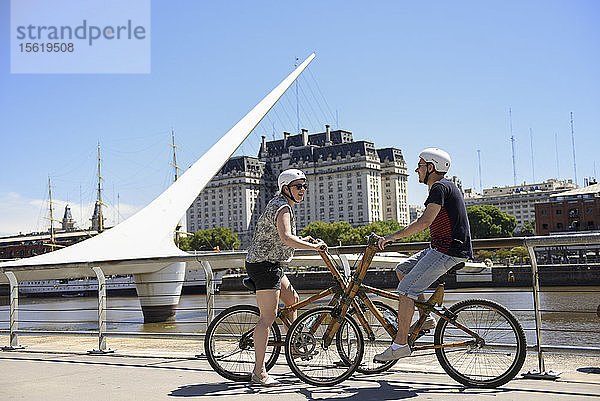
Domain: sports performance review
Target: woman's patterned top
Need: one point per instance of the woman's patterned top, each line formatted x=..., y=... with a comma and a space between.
x=266, y=244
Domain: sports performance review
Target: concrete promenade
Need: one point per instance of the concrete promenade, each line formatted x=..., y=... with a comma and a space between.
x=57, y=368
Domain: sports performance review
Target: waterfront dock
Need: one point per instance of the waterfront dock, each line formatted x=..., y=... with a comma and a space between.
x=58, y=368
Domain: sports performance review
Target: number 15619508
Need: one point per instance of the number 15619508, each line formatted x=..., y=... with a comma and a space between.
x=49, y=47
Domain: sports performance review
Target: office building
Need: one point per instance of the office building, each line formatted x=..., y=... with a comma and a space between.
x=518, y=201
x=569, y=211
x=348, y=181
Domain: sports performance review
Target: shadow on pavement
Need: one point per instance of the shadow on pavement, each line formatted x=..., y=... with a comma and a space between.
x=375, y=389
x=347, y=391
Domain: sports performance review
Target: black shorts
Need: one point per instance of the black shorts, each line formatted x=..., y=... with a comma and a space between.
x=265, y=275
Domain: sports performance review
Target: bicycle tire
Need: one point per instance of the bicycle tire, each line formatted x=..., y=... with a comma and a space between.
x=486, y=365
x=376, y=344
x=315, y=362
x=229, y=346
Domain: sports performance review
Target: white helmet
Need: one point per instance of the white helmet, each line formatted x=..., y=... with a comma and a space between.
x=438, y=157
x=288, y=176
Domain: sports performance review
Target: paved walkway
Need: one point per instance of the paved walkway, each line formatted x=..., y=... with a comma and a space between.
x=39, y=374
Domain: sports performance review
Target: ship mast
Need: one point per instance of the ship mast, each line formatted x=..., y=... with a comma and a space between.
x=176, y=175
x=98, y=217
x=174, y=164
x=52, y=243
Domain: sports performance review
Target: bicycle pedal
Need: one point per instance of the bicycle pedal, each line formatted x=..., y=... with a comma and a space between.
x=420, y=334
x=304, y=356
x=341, y=364
x=423, y=332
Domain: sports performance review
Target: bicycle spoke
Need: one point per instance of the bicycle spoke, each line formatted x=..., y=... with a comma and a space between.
x=496, y=358
x=229, y=345
x=315, y=362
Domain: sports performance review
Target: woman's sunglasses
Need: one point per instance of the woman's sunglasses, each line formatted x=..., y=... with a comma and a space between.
x=300, y=186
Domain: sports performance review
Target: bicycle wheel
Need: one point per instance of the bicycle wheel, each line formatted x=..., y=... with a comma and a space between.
x=315, y=362
x=229, y=345
x=495, y=358
x=374, y=345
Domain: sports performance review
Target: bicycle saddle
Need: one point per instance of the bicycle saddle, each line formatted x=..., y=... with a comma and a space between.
x=249, y=284
x=456, y=268
x=452, y=272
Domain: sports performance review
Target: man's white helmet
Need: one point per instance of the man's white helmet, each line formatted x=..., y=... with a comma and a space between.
x=438, y=157
x=288, y=176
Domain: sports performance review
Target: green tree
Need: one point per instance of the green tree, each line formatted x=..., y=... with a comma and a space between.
x=423, y=236
x=343, y=233
x=503, y=255
x=207, y=240
x=488, y=221
x=332, y=233
x=528, y=229
x=520, y=254
x=483, y=254
x=184, y=243
x=381, y=228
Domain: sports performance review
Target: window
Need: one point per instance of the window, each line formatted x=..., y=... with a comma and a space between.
x=558, y=211
x=544, y=213
x=545, y=226
x=559, y=226
x=573, y=213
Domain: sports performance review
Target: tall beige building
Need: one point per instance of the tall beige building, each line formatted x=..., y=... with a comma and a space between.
x=348, y=181
x=520, y=200
x=233, y=199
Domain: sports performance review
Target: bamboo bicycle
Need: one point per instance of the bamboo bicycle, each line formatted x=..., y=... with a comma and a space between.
x=229, y=345
x=478, y=342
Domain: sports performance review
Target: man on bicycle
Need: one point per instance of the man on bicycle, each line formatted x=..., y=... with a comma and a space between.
x=446, y=217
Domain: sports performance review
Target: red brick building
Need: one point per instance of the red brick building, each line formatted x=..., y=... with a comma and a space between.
x=571, y=211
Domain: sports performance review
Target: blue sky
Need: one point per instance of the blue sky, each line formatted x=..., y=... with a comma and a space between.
x=404, y=74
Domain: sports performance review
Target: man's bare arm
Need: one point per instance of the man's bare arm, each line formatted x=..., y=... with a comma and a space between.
x=423, y=222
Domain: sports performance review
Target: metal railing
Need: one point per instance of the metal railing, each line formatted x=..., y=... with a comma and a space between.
x=236, y=258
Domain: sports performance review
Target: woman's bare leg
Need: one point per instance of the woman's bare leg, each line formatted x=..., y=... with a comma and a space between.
x=267, y=301
x=289, y=296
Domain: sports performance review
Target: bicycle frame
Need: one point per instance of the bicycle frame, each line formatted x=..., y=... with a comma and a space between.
x=338, y=290
x=344, y=294
x=357, y=288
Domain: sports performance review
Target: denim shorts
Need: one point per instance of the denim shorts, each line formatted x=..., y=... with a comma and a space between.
x=422, y=269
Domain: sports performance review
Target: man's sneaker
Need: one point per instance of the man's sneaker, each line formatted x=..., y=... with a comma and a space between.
x=392, y=354
x=429, y=324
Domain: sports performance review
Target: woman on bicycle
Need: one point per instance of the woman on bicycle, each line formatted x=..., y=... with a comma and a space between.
x=273, y=243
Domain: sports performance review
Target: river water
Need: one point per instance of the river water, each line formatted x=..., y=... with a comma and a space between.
x=568, y=313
